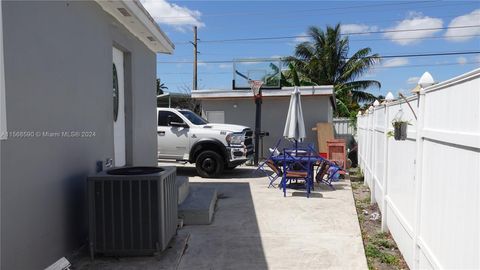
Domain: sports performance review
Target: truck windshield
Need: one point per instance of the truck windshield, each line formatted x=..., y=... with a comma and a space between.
x=194, y=118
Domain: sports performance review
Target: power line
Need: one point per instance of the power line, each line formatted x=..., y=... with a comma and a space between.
x=358, y=40
x=349, y=34
x=185, y=84
x=282, y=59
x=262, y=13
x=433, y=64
x=200, y=73
x=294, y=26
x=411, y=38
x=380, y=67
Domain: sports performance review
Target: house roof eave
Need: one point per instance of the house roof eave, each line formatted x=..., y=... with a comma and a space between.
x=136, y=19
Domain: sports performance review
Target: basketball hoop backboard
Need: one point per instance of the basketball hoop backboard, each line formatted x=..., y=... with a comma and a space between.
x=266, y=70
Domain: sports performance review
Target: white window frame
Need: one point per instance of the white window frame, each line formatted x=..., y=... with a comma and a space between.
x=3, y=111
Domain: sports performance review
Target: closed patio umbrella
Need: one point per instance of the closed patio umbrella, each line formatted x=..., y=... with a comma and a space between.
x=295, y=126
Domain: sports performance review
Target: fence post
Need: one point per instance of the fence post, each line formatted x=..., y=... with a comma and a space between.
x=359, y=138
x=384, y=226
x=418, y=176
x=373, y=158
x=361, y=143
x=366, y=149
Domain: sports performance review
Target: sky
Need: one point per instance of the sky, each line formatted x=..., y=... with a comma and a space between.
x=220, y=20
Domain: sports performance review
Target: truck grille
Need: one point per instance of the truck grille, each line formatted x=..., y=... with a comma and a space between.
x=249, y=141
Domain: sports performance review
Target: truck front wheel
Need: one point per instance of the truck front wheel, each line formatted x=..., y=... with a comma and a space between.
x=209, y=164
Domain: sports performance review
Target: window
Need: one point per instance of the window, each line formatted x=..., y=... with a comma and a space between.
x=194, y=118
x=163, y=118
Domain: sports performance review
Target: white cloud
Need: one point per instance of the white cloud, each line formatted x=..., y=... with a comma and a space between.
x=413, y=80
x=414, y=20
x=357, y=28
x=172, y=14
x=462, y=60
x=395, y=62
x=302, y=37
x=202, y=64
x=225, y=66
x=461, y=34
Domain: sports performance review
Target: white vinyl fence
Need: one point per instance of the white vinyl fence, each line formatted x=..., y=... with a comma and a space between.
x=343, y=126
x=427, y=187
x=344, y=130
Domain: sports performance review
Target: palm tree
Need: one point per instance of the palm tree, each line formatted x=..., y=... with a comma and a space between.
x=324, y=61
x=160, y=87
x=292, y=77
x=289, y=77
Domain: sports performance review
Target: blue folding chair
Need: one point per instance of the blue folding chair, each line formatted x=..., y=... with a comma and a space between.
x=270, y=164
x=297, y=164
x=326, y=172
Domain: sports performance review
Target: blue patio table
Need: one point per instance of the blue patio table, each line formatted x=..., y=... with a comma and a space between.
x=306, y=157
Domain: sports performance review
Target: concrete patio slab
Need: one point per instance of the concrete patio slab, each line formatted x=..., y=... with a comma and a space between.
x=255, y=227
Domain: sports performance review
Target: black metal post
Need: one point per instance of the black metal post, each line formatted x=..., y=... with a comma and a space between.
x=258, y=125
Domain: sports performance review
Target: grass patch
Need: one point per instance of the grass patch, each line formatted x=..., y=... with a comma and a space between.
x=365, y=200
x=372, y=251
x=380, y=249
x=382, y=240
x=356, y=176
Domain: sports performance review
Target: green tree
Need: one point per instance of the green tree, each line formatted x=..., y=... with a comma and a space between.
x=289, y=77
x=293, y=78
x=324, y=60
x=160, y=87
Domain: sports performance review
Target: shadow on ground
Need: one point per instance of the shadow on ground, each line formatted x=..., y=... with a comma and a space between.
x=238, y=173
x=340, y=185
x=304, y=194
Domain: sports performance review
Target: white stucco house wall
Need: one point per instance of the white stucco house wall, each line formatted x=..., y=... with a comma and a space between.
x=61, y=115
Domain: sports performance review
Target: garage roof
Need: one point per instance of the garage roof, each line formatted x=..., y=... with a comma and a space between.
x=324, y=90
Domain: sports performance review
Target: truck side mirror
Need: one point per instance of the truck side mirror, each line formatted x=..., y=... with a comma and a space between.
x=176, y=124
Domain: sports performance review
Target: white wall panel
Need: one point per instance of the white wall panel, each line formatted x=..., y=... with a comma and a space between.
x=401, y=174
x=450, y=205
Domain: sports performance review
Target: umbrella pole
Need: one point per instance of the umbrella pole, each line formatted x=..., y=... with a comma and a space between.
x=296, y=147
x=258, y=126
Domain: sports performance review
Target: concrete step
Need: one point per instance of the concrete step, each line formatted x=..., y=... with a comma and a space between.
x=199, y=206
x=183, y=187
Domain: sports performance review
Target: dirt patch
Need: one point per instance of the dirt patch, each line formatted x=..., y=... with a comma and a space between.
x=380, y=249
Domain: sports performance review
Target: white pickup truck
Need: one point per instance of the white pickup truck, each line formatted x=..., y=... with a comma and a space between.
x=182, y=135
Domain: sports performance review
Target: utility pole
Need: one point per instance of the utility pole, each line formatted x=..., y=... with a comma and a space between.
x=195, y=54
